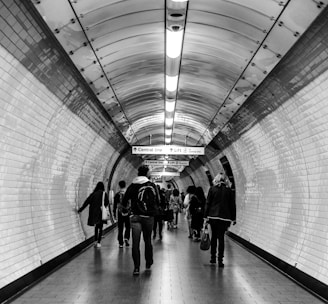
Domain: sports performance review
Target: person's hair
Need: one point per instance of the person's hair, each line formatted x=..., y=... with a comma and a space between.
x=168, y=186
x=122, y=184
x=99, y=186
x=200, y=194
x=175, y=192
x=219, y=178
x=143, y=170
x=191, y=189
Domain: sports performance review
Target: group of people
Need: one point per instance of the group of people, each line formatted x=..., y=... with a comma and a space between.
x=142, y=207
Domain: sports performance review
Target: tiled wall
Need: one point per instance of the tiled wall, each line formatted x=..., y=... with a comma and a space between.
x=50, y=161
x=54, y=147
x=281, y=172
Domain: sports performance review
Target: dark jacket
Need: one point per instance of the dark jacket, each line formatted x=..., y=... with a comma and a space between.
x=118, y=199
x=131, y=195
x=95, y=202
x=220, y=203
x=196, y=210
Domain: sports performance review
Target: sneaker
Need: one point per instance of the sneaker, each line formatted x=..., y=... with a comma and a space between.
x=121, y=245
x=221, y=265
x=136, y=271
x=127, y=243
x=212, y=262
x=98, y=245
x=148, y=266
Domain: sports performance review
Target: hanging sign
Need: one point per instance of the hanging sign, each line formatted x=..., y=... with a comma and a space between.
x=169, y=150
x=166, y=162
x=161, y=173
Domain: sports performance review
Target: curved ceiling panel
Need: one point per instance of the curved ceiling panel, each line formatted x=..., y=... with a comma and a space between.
x=228, y=48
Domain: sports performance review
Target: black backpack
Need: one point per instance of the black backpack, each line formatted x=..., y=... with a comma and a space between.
x=147, y=200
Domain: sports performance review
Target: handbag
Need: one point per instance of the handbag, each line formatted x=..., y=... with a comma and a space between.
x=104, y=210
x=205, y=240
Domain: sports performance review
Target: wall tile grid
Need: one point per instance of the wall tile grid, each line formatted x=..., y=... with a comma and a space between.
x=281, y=172
x=50, y=162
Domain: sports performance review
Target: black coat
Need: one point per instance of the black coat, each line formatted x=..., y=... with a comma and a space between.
x=95, y=202
x=220, y=203
x=196, y=210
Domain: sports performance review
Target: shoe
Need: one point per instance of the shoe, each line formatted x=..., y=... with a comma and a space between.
x=121, y=245
x=221, y=265
x=160, y=237
x=212, y=262
x=148, y=266
x=126, y=243
x=154, y=236
x=190, y=236
x=136, y=271
x=98, y=245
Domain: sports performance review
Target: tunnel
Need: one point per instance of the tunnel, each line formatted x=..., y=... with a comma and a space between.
x=83, y=82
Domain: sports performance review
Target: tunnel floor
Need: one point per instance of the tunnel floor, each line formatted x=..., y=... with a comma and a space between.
x=181, y=274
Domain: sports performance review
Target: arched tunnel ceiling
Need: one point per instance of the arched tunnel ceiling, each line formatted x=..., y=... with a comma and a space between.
x=229, y=48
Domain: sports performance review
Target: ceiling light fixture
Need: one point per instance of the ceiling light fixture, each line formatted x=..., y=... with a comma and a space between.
x=173, y=43
x=169, y=121
x=171, y=83
x=168, y=132
x=170, y=105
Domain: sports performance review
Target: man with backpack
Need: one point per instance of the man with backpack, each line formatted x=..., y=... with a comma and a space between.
x=123, y=216
x=144, y=201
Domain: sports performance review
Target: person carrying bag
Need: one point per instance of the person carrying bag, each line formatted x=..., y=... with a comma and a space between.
x=99, y=212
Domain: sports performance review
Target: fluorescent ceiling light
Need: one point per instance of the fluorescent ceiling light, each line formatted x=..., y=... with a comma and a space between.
x=171, y=83
x=168, y=122
x=168, y=132
x=167, y=140
x=173, y=43
x=170, y=105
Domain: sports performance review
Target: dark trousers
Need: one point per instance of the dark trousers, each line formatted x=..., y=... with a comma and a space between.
x=144, y=225
x=123, y=222
x=158, y=221
x=98, y=232
x=218, y=228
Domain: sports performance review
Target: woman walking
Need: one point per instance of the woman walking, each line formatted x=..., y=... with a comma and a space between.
x=95, y=213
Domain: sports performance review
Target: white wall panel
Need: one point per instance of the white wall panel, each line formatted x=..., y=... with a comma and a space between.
x=281, y=172
x=50, y=162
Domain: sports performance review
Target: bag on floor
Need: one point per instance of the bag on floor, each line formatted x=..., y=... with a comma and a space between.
x=104, y=210
x=205, y=240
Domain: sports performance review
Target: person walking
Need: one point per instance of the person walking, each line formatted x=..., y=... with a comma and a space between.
x=123, y=216
x=174, y=205
x=94, y=201
x=144, y=198
x=186, y=205
x=220, y=211
x=197, y=212
x=158, y=218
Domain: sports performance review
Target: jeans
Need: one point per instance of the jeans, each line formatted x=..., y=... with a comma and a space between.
x=121, y=222
x=218, y=228
x=158, y=220
x=98, y=232
x=145, y=225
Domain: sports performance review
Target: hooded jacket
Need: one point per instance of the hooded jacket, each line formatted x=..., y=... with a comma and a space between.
x=131, y=195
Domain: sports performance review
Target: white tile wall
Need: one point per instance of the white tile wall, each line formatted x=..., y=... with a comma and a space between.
x=281, y=172
x=50, y=161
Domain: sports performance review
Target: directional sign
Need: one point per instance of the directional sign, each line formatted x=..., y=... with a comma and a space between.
x=169, y=150
x=161, y=173
x=166, y=162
